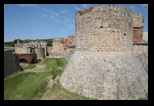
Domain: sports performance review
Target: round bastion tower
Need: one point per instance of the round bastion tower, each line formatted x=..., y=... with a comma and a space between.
x=104, y=28
x=103, y=65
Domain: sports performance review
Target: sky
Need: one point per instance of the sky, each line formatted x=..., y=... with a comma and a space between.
x=47, y=21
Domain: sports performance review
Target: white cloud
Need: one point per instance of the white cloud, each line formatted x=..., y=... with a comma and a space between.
x=66, y=19
x=45, y=15
x=144, y=4
x=77, y=8
x=63, y=30
x=50, y=14
x=132, y=7
x=71, y=26
x=53, y=17
x=45, y=10
x=85, y=5
x=28, y=5
x=57, y=14
x=64, y=11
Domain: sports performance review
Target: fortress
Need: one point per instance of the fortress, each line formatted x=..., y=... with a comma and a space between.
x=104, y=64
x=107, y=57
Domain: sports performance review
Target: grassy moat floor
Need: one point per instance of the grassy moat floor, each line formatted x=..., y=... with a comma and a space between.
x=39, y=82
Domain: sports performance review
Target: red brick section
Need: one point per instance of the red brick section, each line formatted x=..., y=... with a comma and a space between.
x=70, y=40
x=65, y=44
x=28, y=57
x=137, y=35
x=86, y=11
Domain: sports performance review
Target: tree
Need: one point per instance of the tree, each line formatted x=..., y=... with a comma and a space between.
x=49, y=42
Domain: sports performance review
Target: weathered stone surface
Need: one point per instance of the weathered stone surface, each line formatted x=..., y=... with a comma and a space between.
x=58, y=47
x=143, y=58
x=103, y=65
x=107, y=75
x=40, y=54
x=11, y=63
x=68, y=53
x=141, y=52
x=145, y=36
x=25, y=48
x=105, y=28
x=138, y=19
x=139, y=49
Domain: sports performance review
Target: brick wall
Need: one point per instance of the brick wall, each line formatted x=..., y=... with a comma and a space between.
x=29, y=57
x=137, y=35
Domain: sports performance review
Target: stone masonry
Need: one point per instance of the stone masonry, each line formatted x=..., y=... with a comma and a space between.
x=103, y=65
x=58, y=47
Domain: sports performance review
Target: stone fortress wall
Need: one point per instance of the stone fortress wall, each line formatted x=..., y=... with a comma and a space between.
x=57, y=48
x=101, y=65
x=104, y=29
x=24, y=48
x=30, y=49
x=11, y=63
x=62, y=47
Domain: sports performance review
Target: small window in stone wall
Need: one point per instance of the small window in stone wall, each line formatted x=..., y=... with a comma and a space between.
x=101, y=26
x=124, y=34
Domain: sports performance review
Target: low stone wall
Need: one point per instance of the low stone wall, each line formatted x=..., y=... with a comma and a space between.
x=145, y=36
x=141, y=52
x=49, y=50
x=139, y=49
x=143, y=58
x=68, y=53
x=11, y=63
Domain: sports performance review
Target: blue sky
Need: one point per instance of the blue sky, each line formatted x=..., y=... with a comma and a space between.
x=44, y=21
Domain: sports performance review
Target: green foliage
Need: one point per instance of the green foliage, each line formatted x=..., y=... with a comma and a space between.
x=12, y=43
x=49, y=42
x=15, y=41
x=7, y=44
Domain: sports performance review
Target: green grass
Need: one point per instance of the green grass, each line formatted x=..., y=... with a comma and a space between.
x=24, y=86
x=59, y=93
x=56, y=72
x=144, y=98
x=32, y=85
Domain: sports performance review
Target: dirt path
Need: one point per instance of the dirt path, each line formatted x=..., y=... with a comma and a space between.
x=38, y=68
x=48, y=93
